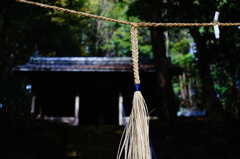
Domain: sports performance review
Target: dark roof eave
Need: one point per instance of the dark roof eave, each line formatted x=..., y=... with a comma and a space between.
x=75, y=70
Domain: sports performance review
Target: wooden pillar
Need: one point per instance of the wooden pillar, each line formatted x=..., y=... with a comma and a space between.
x=76, y=110
x=120, y=109
x=33, y=104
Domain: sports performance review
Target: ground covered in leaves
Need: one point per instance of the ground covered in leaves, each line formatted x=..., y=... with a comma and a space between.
x=188, y=138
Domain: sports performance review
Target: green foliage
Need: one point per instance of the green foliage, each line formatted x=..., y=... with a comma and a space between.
x=66, y=38
x=119, y=43
x=186, y=86
x=222, y=82
x=113, y=39
x=181, y=47
x=180, y=53
x=176, y=87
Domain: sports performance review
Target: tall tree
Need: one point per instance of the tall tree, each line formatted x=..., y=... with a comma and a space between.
x=206, y=48
x=214, y=106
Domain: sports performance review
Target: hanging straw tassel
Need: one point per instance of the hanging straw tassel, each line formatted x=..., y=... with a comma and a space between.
x=135, y=138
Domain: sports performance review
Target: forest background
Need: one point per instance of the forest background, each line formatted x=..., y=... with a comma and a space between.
x=210, y=67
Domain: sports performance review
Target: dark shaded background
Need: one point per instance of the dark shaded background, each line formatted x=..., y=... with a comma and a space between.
x=185, y=138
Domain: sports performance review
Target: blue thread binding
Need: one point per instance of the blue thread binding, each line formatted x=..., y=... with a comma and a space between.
x=137, y=87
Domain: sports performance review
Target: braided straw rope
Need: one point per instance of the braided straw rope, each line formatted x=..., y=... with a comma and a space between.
x=141, y=24
x=134, y=43
x=135, y=139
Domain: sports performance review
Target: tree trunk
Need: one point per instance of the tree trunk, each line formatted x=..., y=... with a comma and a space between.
x=3, y=36
x=214, y=107
x=232, y=105
x=163, y=77
x=166, y=101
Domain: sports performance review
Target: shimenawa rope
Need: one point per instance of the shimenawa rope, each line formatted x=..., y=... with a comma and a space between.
x=135, y=139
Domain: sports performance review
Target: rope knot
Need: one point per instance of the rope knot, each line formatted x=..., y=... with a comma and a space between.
x=215, y=22
x=135, y=25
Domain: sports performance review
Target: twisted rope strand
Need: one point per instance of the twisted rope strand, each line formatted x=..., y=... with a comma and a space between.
x=141, y=24
x=134, y=43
